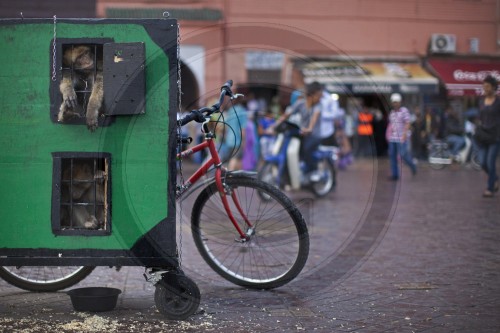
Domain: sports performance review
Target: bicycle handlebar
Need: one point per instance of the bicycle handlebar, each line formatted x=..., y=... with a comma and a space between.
x=200, y=114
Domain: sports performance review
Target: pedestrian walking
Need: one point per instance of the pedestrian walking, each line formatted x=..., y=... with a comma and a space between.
x=398, y=134
x=365, y=132
x=489, y=123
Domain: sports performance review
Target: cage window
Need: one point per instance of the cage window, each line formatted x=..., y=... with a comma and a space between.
x=81, y=195
x=80, y=83
x=81, y=58
x=119, y=68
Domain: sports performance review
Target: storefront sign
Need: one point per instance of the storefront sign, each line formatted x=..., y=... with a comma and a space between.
x=465, y=77
x=371, y=77
x=264, y=60
x=374, y=88
x=371, y=88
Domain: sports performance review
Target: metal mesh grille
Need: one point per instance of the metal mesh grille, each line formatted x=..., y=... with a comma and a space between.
x=84, y=187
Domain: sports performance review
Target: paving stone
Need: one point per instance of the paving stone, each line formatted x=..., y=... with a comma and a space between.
x=419, y=255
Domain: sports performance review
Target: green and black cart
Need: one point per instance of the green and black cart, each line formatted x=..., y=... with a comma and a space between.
x=128, y=161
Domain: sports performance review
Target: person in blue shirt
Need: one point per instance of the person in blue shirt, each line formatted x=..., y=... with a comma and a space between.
x=266, y=134
x=232, y=147
x=309, y=111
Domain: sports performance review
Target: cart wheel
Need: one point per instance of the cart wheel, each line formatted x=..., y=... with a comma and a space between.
x=176, y=296
x=44, y=278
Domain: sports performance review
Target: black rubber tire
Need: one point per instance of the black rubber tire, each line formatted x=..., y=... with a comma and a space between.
x=177, y=299
x=322, y=188
x=44, y=278
x=278, y=248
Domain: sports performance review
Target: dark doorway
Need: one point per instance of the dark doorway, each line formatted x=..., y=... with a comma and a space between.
x=190, y=91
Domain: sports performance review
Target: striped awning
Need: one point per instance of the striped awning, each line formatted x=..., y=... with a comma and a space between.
x=368, y=77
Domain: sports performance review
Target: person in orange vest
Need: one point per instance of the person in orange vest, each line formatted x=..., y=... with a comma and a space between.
x=365, y=132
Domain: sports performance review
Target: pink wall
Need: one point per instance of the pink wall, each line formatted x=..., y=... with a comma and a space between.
x=383, y=27
x=376, y=28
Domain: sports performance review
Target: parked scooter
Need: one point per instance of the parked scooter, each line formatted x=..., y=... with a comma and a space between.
x=283, y=167
x=440, y=155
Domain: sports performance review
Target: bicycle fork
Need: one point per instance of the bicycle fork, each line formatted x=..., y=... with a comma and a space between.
x=222, y=188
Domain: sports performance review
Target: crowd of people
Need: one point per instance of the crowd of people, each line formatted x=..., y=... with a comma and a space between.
x=248, y=133
x=246, y=130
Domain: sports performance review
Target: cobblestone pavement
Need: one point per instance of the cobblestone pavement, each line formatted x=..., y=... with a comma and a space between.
x=418, y=255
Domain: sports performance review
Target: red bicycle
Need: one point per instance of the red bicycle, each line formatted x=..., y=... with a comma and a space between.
x=249, y=241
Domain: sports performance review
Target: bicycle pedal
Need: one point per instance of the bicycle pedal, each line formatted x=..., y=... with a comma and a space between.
x=241, y=240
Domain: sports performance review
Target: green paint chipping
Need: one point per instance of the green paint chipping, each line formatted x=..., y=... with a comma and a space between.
x=138, y=144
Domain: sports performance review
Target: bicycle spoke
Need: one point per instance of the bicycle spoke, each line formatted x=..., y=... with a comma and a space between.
x=44, y=278
x=277, y=247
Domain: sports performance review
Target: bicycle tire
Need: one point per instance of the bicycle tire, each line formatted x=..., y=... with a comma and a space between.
x=275, y=254
x=44, y=278
x=328, y=178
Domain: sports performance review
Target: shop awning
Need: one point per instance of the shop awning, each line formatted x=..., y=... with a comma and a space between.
x=464, y=77
x=371, y=77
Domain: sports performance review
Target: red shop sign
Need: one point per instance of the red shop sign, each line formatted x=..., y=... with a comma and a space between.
x=465, y=77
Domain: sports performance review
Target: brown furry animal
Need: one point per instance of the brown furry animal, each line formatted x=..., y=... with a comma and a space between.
x=84, y=190
x=85, y=74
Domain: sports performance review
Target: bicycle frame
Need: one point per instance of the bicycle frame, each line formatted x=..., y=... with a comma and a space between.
x=214, y=161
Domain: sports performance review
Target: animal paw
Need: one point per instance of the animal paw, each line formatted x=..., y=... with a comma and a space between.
x=100, y=176
x=60, y=115
x=91, y=223
x=65, y=114
x=70, y=99
x=92, y=121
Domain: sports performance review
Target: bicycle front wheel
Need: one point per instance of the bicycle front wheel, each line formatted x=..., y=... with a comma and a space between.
x=278, y=244
x=44, y=278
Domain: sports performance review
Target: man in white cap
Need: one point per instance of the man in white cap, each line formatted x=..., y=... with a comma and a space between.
x=398, y=134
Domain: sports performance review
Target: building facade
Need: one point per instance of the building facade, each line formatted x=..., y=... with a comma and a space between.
x=431, y=51
x=355, y=47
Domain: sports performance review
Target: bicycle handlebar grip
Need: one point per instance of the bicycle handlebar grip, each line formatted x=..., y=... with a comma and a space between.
x=193, y=115
x=186, y=119
x=227, y=85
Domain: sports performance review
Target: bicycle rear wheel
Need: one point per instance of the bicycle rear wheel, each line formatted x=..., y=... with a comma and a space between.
x=474, y=159
x=44, y=278
x=278, y=247
x=438, y=159
x=328, y=178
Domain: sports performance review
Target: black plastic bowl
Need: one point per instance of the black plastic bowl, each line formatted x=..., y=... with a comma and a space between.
x=94, y=299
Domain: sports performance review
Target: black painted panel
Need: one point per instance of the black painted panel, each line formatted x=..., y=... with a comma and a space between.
x=124, y=78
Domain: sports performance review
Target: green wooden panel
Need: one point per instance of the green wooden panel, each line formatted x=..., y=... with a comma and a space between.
x=138, y=144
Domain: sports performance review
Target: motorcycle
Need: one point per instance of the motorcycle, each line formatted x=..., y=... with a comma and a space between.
x=283, y=167
x=440, y=155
